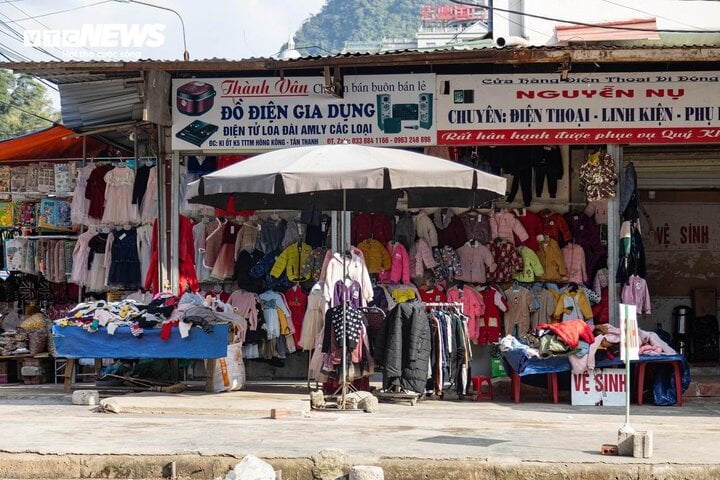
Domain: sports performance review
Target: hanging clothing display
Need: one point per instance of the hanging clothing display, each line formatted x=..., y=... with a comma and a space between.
x=477, y=226
x=376, y=255
x=598, y=178
x=506, y=226
x=574, y=259
x=520, y=307
x=421, y=258
x=533, y=225
x=449, y=228
x=186, y=259
x=475, y=259
x=573, y=304
x=123, y=262
x=547, y=164
x=95, y=191
x=366, y=225
x=489, y=325
x=399, y=271
x=403, y=348
x=635, y=292
x=508, y=261
x=425, y=229
x=555, y=227
x=552, y=260
x=532, y=267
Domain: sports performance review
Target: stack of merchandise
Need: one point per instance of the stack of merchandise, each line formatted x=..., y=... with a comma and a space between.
x=13, y=342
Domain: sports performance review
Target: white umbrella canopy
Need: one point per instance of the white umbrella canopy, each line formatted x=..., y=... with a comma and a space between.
x=372, y=179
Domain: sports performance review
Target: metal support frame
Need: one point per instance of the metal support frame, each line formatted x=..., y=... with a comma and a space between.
x=175, y=223
x=613, y=237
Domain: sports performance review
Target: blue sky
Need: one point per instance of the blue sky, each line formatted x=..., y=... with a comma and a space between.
x=214, y=28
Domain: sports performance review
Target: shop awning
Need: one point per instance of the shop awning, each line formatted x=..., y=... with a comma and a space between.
x=54, y=143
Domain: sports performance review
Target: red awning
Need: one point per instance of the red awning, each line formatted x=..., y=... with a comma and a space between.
x=600, y=31
x=48, y=144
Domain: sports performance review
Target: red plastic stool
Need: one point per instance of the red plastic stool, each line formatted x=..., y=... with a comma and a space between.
x=477, y=383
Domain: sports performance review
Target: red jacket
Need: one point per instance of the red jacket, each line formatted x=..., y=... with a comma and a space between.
x=571, y=332
x=533, y=226
x=370, y=225
x=186, y=259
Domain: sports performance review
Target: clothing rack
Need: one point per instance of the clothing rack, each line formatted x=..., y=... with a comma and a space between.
x=445, y=304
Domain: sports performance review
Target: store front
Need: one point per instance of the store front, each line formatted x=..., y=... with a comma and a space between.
x=523, y=126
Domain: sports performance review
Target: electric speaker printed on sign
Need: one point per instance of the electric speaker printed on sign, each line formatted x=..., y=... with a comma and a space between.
x=395, y=117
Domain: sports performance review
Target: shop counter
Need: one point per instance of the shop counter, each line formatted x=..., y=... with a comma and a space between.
x=520, y=365
x=73, y=342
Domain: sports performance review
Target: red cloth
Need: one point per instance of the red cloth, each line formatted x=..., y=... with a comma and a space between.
x=533, y=226
x=432, y=295
x=370, y=225
x=166, y=329
x=490, y=323
x=555, y=227
x=95, y=191
x=222, y=162
x=186, y=259
x=297, y=301
x=601, y=311
x=223, y=295
x=571, y=332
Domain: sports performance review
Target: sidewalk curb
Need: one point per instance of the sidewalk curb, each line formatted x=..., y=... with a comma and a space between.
x=37, y=466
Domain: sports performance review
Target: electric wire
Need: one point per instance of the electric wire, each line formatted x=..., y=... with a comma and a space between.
x=582, y=24
x=29, y=17
x=648, y=13
x=43, y=15
x=27, y=112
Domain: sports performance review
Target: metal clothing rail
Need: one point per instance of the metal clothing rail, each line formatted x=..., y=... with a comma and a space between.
x=445, y=304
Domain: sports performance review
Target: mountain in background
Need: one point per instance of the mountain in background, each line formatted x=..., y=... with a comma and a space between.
x=367, y=21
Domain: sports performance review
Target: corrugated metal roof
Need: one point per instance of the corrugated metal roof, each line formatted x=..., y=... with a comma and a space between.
x=74, y=72
x=102, y=102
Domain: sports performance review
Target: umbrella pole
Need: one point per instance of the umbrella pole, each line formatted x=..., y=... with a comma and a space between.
x=343, y=381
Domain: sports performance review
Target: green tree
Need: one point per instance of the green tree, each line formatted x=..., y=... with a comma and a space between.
x=24, y=104
x=370, y=21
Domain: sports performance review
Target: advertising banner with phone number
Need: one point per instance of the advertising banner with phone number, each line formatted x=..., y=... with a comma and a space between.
x=587, y=108
x=266, y=113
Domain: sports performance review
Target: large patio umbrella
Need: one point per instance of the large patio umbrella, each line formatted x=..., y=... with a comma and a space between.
x=345, y=177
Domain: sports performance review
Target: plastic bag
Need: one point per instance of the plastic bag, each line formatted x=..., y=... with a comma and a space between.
x=251, y=468
x=229, y=371
x=664, y=388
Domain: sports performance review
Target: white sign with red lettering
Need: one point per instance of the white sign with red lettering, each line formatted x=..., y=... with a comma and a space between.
x=628, y=320
x=600, y=387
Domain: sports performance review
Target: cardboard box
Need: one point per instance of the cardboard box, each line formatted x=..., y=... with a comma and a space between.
x=704, y=302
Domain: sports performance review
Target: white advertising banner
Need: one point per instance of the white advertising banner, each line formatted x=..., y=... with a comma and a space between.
x=270, y=113
x=602, y=386
x=588, y=108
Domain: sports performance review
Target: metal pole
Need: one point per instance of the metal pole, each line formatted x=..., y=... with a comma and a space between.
x=175, y=224
x=344, y=309
x=613, y=236
x=627, y=367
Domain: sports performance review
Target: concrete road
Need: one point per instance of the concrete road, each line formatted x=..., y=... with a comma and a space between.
x=40, y=425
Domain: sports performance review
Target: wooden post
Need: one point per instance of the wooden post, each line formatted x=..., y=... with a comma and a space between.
x=209, y=374
x=69, y=374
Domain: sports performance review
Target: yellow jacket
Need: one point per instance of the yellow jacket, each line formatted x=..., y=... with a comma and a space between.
x=551, y=257
x=376, y=255
x=290, y=260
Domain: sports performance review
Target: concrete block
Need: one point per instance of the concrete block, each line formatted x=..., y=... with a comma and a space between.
x=31, y=371
x=277, y=413
x=330, y=464
x=366, y=472
x=642, y=444
x=85, y=397
x=625, y=443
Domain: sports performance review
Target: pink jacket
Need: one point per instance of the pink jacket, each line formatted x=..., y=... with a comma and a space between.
x=421, y=257
x=473, y=306
x=635, y=292
x=400, y=265
x=574, y=257
x=504, y=224
x=474, y=259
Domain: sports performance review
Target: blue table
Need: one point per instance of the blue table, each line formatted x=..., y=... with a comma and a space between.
x=73, y=342
x=520, y=365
